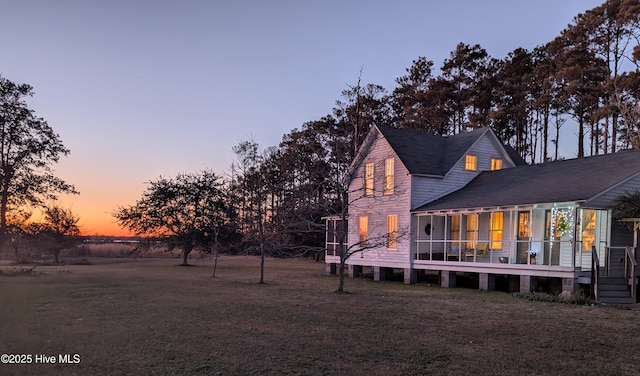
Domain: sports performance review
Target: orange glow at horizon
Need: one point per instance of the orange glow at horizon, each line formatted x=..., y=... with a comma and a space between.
x=95, y=207
x=102, y=229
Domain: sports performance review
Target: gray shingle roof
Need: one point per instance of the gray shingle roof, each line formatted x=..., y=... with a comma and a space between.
x=428, y=154
x=559, y=181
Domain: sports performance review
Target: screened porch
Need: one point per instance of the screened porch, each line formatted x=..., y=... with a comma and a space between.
x=527, y=236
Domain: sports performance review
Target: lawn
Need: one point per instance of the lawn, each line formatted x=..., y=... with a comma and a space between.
x=151, y=317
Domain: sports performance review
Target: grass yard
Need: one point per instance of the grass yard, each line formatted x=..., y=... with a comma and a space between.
x=151, y=317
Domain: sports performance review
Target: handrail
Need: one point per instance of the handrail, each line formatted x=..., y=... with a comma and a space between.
x=595, y=273
x=630, y=265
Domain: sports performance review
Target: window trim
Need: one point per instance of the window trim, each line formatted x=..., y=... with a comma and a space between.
x=392, y=232
x=471, y=162
x=369, y=173
x=471, y=228
x=389, y=173
x=496, y=229
x=496, y=164
x=363, y=229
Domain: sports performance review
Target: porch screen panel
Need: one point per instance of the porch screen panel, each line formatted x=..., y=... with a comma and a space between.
x=455, y=228
x=471, y=230
x=330, y=240
x=496, y=230
x=524, y=224
x=588, y=234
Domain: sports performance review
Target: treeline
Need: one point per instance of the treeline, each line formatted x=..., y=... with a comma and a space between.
x=586, y=78
x=274, y=199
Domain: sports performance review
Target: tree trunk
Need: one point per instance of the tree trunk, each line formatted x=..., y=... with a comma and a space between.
x=261, y=263
x=185, y=255
x=614, y=133
x=341, y=275
x=4, y=200
x=581, y=134
x=215, y=253
x=215, y=263
x=343, y=231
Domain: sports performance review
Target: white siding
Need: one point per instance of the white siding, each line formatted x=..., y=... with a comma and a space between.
x=378, y=206
x=426, y=189
x=410, y=191
x=605, y=199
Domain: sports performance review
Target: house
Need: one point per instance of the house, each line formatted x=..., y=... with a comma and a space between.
x=466, y=205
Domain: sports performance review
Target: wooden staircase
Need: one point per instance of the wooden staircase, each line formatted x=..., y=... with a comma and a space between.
x=614, y=287
x=614, y=290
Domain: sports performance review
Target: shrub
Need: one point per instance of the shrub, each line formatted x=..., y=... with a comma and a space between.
x=577, y=299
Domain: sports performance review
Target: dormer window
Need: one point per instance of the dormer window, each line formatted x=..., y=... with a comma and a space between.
x=496, y=164
x=471, y=162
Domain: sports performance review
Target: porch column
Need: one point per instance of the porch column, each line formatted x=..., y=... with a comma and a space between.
x=447, y=279
x=410, y=276
x=379, y=273
x=331, y=268
x=487, y=282
x=355, y=271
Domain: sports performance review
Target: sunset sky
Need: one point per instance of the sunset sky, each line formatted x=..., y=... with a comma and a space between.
x=138, y=89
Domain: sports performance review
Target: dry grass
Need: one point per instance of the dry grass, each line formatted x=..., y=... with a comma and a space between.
x=154, y=318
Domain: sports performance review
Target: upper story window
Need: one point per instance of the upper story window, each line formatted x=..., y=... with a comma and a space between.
x=471, y=162
x=496, y=164
x=388, y=176
x=368, y=179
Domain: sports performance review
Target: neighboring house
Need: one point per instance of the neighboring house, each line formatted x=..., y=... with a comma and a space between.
x=469, y=205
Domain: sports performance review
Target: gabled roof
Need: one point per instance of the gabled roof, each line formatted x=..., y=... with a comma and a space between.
x=559, y=181
x=428, y=154
x=424, y=153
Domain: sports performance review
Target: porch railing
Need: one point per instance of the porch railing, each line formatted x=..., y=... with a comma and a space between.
x=630, y=266
x=595, y=274
x=539, y=253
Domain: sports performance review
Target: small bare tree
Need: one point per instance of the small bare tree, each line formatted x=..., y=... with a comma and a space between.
x=352, y=195
x=60, y=230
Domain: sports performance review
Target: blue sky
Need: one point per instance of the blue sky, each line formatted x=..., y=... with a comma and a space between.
x=139, y=89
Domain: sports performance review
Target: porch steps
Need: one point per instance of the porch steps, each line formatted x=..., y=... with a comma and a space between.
x=614, y=290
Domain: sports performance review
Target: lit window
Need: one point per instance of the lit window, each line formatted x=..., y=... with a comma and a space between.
x=471, y=163
x=471, y=227
x=368, y=179
x=363, y=228
x=496, y=164
x=388, y=176
x=497, y=226
x=392, y=232
x=524, y=225
x=455, y=227
x=588, y=229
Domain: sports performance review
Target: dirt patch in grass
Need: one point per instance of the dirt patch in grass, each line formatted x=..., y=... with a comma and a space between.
x=152, y=317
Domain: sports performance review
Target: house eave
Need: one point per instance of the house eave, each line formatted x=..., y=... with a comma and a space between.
x=427, y=176
x=506, y=207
